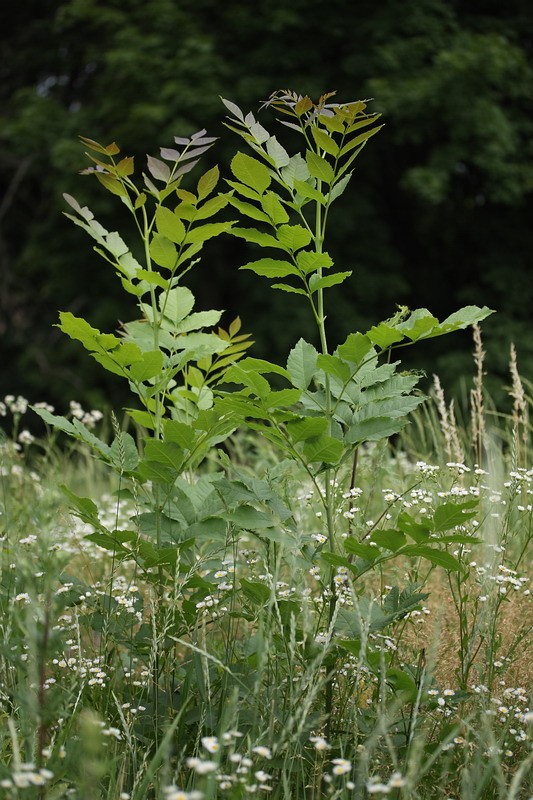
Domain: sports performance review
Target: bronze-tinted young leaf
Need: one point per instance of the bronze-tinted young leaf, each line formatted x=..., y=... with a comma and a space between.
x=125, y=166
x=303, y=105
x=92, y=145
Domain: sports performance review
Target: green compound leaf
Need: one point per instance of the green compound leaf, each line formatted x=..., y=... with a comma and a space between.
x=271, y=268
x=149, y=366
x=277, y=152
x=251, y=172
x=374, y=429
x=255, y=236
x=309, y=261
x=355, y=348
x=307, y=191
x=325, y=142
x=249, y=209
x=383, y=335
x=302, y=364
x=177, y=303
x=293, y=237
x=319, y=168
x=169, y=225
x=316, y=282
x=207, y=182
x=357, y=548
x=285, y=287
x=324, y=448
x=307, y=428
x=163, y=252
x=274, y=209
x=448, y=515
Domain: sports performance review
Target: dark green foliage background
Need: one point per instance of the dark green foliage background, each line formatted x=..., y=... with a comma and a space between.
x=439, y=210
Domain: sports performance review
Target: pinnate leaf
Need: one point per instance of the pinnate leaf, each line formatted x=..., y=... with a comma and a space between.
x=251, y=172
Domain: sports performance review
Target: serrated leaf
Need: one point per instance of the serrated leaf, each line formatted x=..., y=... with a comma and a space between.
x=302, y=364
x=177, y=303
x=325, y=142
x=334, y=366
x=305, y=190
x=149, y=366
x=180, y=433
x=277, y=152
x=308, y=261
x=274, y=209
x=158, y=169
x=271, y=268
x=323, y=448
x=383, y=335
x=165, y=452
x=339, y=187
x=251, y=172
x=316, y=282
x=293, y=237
x=111, y=184
x=295, y=169
x=123, y=452
x=255, y=236
x=355, y=348
x=207, y=182
x=163, y=251
x=307, y=428
x=319, y=168
x=248, y=209
x=169, y=225
x=374, y=429
x=260, y=365
x=418, y=324
x=235, y=110
x=285, y=287
x=201, y=233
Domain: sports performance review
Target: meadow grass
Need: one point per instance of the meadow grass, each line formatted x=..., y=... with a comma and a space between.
x=224, y=674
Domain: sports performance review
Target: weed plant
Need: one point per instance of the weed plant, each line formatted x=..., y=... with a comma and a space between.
x=258, y=592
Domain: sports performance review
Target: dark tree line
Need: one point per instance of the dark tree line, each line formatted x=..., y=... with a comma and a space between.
x=439, y=213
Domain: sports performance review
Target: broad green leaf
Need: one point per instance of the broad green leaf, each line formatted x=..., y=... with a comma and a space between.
x=293, y=237
x=152, y=277
x=250, y=518
x=309, y=261
x=277, y=153
x=176, y=303
x=255, y=236
x=179, y=433
x=163, y=251
x=249, y=209
x=316, y=282
x=246, y=191
x=301, y=364
x=285, y=287
x=111, y=184
x=165, y=452
x=439, y=557
x=201, y=233
x=251, y=172
x=207, y=182
x=86, y=508
x=418, y=531
x=334, y=366
x=355, y=348
x=319, y=168
x=383, y=335
x=469, y=315
x=448, y=515
x=323, y=448
x=307, y=428
x=271, y=268
x=418, y=324
x=211, y=207
x=281, y=398
x=200, y=319
x=295, y=169
x=260, y=365
x=150, y=366
x=403, y=683
x=374, y=429
x=305, y=190
x=116, y=245
x=339, y=187
x=274, y=208
x=357, y=548
x=389, y=539
x=325, y=142
x=169, y=225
